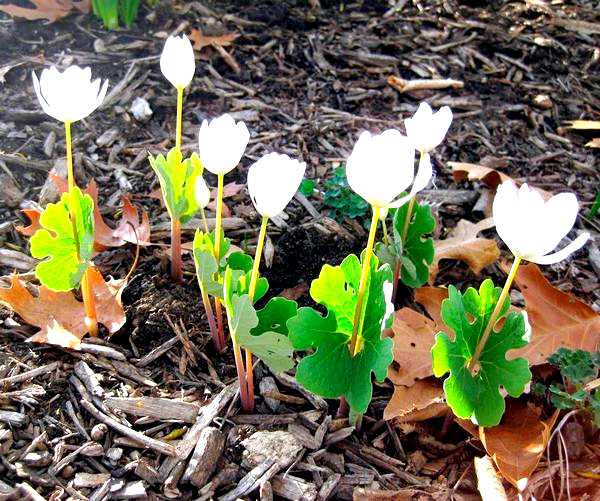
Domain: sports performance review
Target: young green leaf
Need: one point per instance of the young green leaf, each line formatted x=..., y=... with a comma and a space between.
x=177, y=179
x=68, y=247
x=241, y=265
x=418, y=248
x=206, y=263
x=578, y=366
x=477, y=396
x=331, y=371
x=274, y=316
x=273, y=348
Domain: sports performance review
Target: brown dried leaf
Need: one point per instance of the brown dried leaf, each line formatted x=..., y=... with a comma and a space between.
x=59, y=315
x=131, y=227
x=557, y=319
x=464, y=244
x=594, y=143
x=295, y=292
x=413, y=336
x=52, y=10
x=200, y=40
x=419, y=402
x=516, y=445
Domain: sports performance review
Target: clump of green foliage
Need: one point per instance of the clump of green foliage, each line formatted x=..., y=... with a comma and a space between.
x=111, y=11
x=579, y=372
x=340, y=200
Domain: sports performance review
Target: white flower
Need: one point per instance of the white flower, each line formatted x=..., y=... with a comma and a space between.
x=532, y=227
x=222, y=143
x=202, y=192
x=427, y=129
x=71, y=95
x=177, y=61
x=382, y=166
x=272, y=182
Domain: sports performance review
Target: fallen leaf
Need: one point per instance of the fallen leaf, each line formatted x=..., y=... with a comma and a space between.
x=131, y=227
x=52, y=10
x=59, y=315
x=594, y=143
x=463, y=244
x=419, y=402
x=489, y=484
x=413, y=336
x=34, y=222
x=517, y=444
x=200, y=40
x=557, y=319
x=462, y=171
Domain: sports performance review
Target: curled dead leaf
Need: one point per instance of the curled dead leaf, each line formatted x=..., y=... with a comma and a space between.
x=59, y=315
x=419, y=402
x=464, y=244
x=557, y=319
x=34, y=222
x=517, y=444
x=51, y=10
x=200, y=40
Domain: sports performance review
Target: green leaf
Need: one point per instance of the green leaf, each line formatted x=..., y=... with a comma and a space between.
x=577, y=366
x=206, y=264
x=241, y=264
x=307, y=187
x=418, y=248
x=274, y=316
x=177, y=179
x=67, y=247
x=477, y=397
x=272, y=348
x=331, y=371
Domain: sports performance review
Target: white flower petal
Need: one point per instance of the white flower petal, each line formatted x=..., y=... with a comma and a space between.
x=177, y=61
x=202, y=192
x=575, y=245
x=272, y=182
x=222, y=143
x=426, y=129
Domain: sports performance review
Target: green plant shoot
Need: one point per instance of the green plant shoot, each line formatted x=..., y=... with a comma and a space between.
x=177, y=179
x=410, y=251
x=66, y=241
x=473, y=391
x=110, y=11
x=331, y=370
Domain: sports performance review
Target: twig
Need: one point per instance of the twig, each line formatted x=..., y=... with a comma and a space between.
x=426, y=84
x=29, y=375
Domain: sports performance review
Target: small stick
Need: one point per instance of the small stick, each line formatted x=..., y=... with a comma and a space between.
x=423, y=84
x=29, y=375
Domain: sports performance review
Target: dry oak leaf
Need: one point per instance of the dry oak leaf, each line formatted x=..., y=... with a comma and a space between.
x=422, y=401
x=414, y=335
x=557, y=319
x=463, y=244
x=59, y=315
x=52, y=10
x=131, y=227
x=462, y=171
x=517, y=444
x=201, y=40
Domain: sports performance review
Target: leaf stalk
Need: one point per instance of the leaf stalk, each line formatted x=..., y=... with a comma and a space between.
x=179, y=118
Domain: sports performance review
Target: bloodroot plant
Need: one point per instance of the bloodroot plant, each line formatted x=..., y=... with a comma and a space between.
x=65, y=241
x=476, y=358
x=347, y=342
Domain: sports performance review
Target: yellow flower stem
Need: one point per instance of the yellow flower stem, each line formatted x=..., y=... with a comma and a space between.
x=411, y=206
x=179, y=117
x=218, y=217
x=251, y=290
x=473, y=365
x=70, y=175
x=356, y=339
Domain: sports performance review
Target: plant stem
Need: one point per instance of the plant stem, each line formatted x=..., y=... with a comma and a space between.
x=179, y=117
x=70, y=175
x=355, y=345
x=386, y=238
x=89, y=304
x=395, y=280
x=411, y=206
x=218, y=219
x=214, y=333
x=204, y=223
x=176, y=265
x=251, y=290
x=473, y=365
